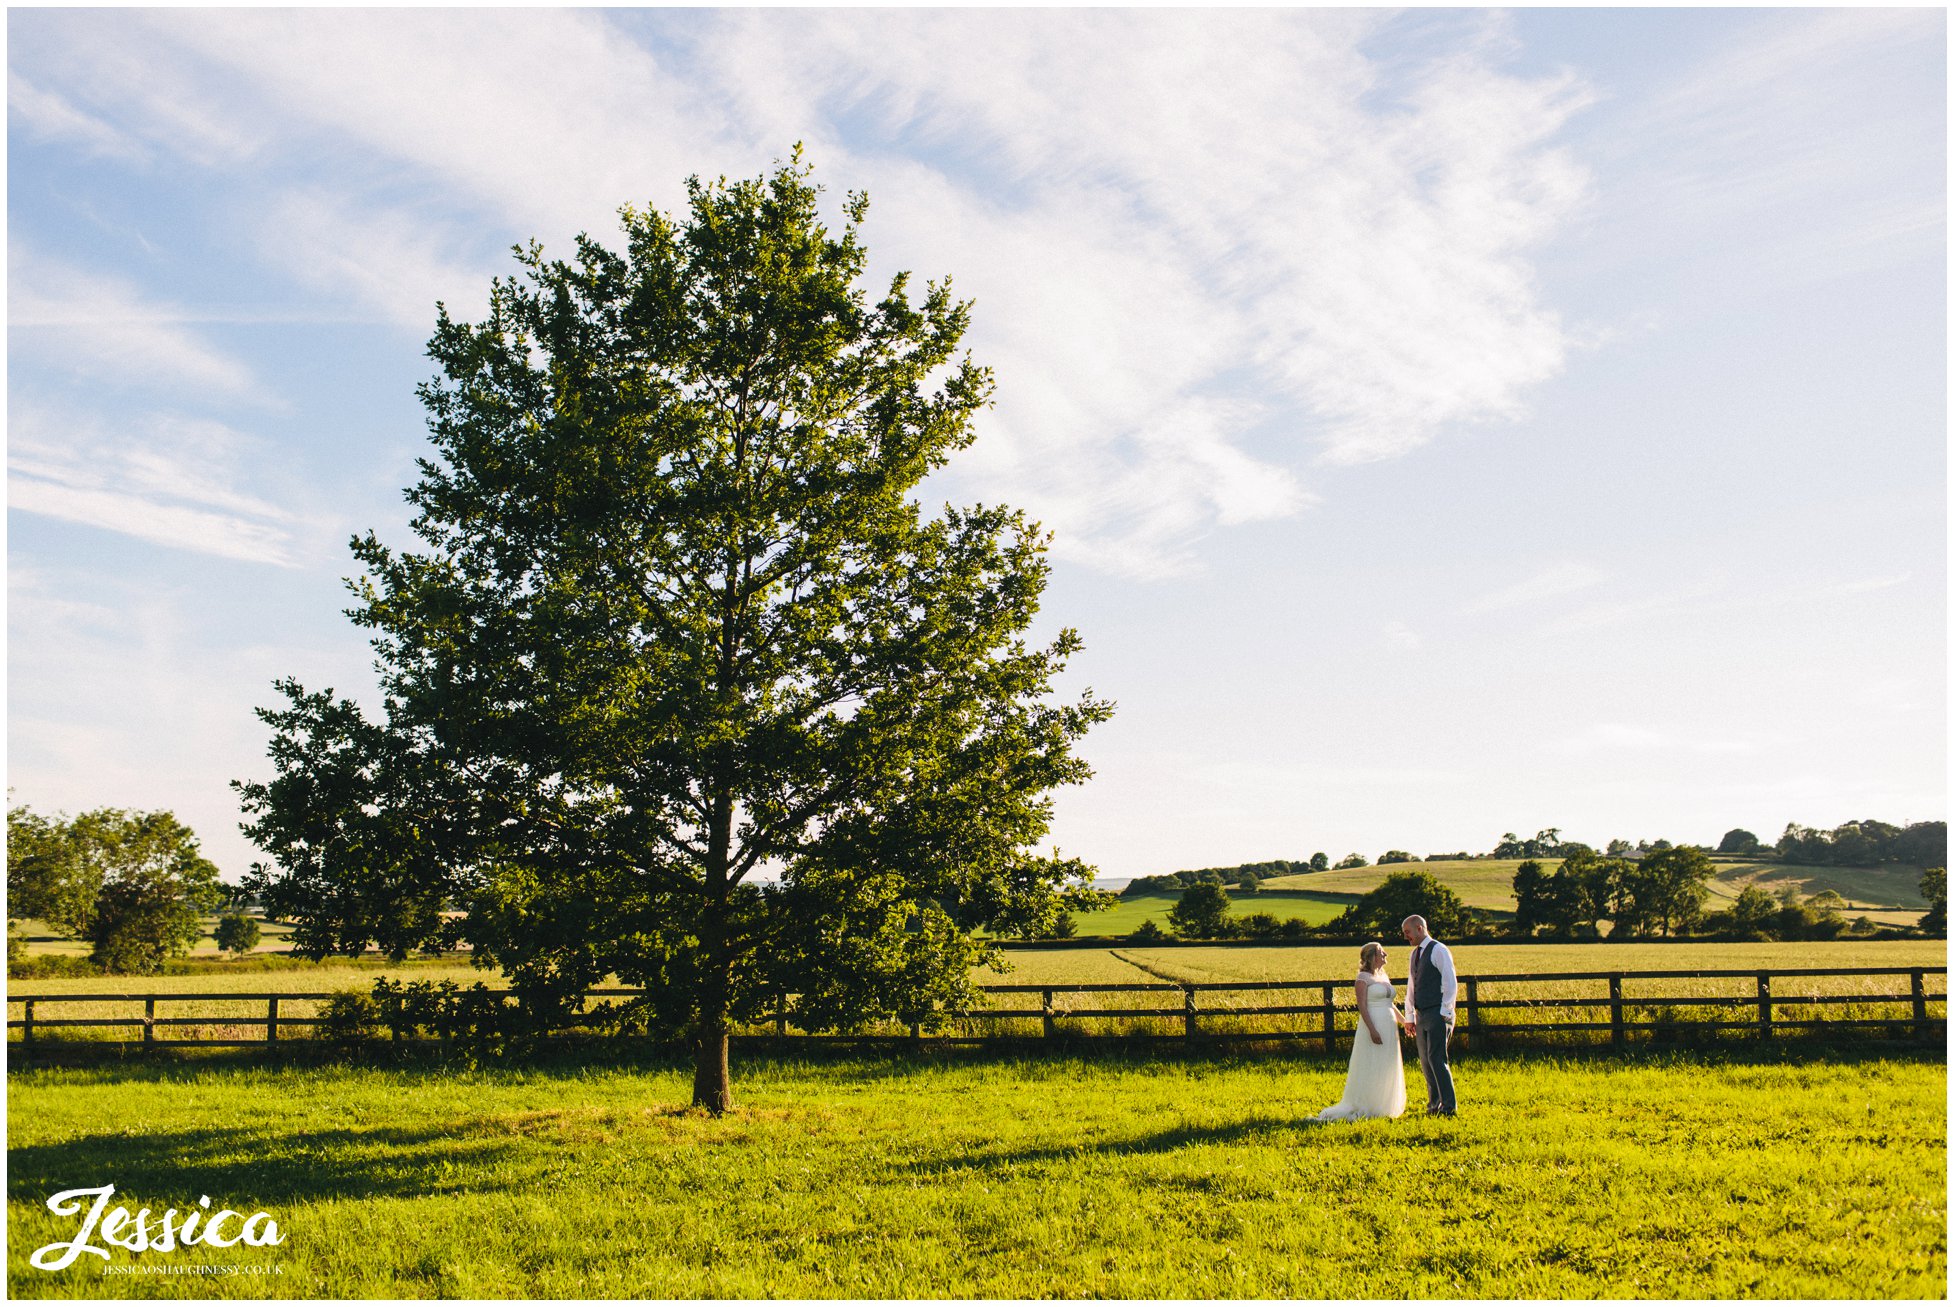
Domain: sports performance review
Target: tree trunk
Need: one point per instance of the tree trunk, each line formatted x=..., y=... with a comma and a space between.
x=712, y=1074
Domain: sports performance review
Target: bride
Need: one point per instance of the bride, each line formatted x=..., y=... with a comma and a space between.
x=1375, y=1083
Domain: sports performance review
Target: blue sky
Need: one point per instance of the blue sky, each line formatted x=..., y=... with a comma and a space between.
x=1452, y=422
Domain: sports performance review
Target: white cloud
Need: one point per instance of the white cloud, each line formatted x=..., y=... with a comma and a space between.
x=1402, y=638
x=1615, y=737
x=385, y=259
x=168, y=480
x=1207, y=248
x=51, y=117
x=550, y=117
x=1794, y=145
x=1560, y=579
x=76, y=320
x=128, y=698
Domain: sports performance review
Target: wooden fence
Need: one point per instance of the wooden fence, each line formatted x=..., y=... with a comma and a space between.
x=1323, y=1019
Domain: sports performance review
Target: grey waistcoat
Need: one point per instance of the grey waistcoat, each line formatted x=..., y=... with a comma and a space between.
x=1427, y=990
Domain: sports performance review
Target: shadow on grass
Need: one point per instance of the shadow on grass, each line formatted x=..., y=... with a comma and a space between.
x=264, y=1167
x=895, y=1060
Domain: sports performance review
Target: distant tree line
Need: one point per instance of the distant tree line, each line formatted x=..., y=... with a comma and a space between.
x=1247, y=873
x=1854, y=844
x=1666, y=894
x=1865, y=844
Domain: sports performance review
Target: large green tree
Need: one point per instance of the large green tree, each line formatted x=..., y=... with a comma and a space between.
x=48, y=878
x=1403, y=894
x=134, y=884
x=683, y=685
x=1201, y=913
x=1663, y=893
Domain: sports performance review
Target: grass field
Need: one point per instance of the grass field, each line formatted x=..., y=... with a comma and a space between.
x=1482, y=884
x=1066, y=970
x=1008, y=1178
x=273, y=937
x=1889, y=895
x=1125, y=917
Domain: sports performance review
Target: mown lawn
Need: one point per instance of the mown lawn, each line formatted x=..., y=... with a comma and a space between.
x=1008, y=1177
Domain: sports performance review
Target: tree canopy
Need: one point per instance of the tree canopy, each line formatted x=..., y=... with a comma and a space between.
x=134, y=884
x=1404, y=894
x=682, y=684
x=1201, y=913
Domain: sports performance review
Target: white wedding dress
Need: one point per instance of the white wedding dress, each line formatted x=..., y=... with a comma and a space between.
x=1375, y=1083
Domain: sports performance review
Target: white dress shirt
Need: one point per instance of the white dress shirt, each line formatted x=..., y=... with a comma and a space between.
x=1437, y=955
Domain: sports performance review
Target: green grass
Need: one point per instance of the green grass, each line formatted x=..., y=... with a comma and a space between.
x=1125, y=917
x=1065, y=970
x=273, y=936
x=1889, y=895
x=1006, y=1178
x=1340, y=963
x=1486, y=884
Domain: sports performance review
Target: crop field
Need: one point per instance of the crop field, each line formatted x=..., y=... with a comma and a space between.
x=1874, y=997
x=1005, y=1177
x=1317, y=962
x=1155, y=1012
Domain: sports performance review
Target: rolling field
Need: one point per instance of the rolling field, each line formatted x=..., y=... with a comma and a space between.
x=1482, y=884
x=1125, y=917
x=1488, y=884
x=988, y=1177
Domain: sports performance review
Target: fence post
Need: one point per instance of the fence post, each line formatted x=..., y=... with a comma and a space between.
x=1919, y=1005
x=1617, y=1031
x=1475, y=1039
x=780, y=1014
x=1051, y=1018
x=149, y=1021
x=271, y=1021
x=27, y=1030
x=1763, y=1005
x=1329, y=1016
x=1187, y=992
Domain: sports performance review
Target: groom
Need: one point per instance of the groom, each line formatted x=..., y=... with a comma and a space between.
x=1434, y=996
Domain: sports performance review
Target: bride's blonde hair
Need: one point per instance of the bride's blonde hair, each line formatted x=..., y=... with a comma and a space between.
x=1368, y=955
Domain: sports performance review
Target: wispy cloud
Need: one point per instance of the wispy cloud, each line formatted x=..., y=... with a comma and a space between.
x=387, y=260
x=49, y=116
x=1803, y=115
x=1552, y=583
x=103, y=327
x=170, y=481
x=1401, y=638
x=1613, y=737
x=1207, y=249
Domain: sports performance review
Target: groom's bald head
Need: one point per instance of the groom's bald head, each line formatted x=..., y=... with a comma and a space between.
x=1414, y=928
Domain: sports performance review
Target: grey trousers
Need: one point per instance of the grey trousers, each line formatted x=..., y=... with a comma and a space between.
x=1434, y=1037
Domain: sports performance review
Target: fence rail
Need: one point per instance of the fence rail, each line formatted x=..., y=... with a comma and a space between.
x=1323, y=1019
